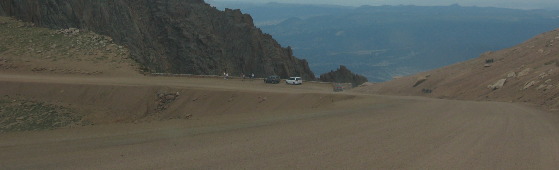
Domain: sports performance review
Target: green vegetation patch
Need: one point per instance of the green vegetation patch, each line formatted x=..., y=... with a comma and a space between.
x=24, y=115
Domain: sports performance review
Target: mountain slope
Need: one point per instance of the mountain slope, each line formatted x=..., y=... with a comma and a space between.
x=528, y=72
x=170, y=35
x=42, y=52
x=27, y=49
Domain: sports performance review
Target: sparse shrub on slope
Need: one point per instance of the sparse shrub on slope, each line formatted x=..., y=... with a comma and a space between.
x=27, y=48
x=25, y=115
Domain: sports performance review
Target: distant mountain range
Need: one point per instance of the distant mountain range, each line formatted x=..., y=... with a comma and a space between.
x=275, y=13
x=382, y=42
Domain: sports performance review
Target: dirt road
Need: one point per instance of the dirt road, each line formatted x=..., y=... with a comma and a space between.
x=355, y=132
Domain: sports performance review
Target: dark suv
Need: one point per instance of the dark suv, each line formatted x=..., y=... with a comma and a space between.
x=272, y=79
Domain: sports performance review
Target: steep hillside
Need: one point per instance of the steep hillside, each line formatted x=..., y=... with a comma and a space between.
x=29, y=50
x=528, y=72
x=25, y=48
x=169, y=35
x=69, y=78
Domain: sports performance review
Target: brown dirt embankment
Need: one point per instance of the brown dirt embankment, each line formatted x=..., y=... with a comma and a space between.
x=105, y=100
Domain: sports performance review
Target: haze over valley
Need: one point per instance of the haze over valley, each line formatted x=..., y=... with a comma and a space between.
x=382, y=42
x=513, y=4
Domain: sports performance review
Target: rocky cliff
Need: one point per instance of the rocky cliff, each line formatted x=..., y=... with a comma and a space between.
x=176, y=36
x=343, y=75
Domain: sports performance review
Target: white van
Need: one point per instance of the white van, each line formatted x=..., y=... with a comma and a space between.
x=294, y=80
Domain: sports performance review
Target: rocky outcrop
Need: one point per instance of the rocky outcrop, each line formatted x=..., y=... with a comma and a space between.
x=343, y=75
x=497, y=85
x=420, y=80
x=175, y=36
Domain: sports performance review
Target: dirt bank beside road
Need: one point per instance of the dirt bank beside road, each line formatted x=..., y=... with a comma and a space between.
x=251, y=125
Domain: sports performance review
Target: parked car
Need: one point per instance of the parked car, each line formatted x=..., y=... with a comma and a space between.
x=272, y=79
x=294, y=80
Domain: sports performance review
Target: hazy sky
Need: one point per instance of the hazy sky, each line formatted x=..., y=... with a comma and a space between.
x=521, y=4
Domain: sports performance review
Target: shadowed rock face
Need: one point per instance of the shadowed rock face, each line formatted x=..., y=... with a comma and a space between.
x=343, y=75
x=177, y=36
